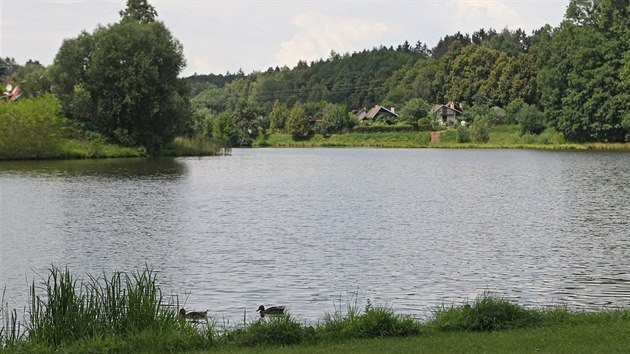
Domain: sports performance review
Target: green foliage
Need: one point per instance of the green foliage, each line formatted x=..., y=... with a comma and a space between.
x=626, y=124
x=463, y=134
x=139, y=10
x=70, y=311
x=372, y=323
x=30, y=128
x=415, y=109
x=512, y=110
x=201, y=124
x=11, y=333
x=425, y=124
x=249, y=124
x=278, y=117
x=121, y=80
x=479, y=132
x=334, y=119
x=579, y=96
x=530, y=120
x=487, y=313
x=280, y=330
x=379, y=127
x=299, y=123
x=197, y=146
x=224, y=130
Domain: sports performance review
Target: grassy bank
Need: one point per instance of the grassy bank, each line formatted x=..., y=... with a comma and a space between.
x=125, y=313
x=87, y=149
x=501, y=137
x=596, y=337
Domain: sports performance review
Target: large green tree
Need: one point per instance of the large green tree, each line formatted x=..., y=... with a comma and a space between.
x=581, y=82
x=125, y=75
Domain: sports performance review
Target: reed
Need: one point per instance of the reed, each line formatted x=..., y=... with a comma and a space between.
x=127, y=313
x=11, y=332
x=69, y=310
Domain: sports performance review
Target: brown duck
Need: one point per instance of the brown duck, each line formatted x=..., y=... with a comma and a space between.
x=271, y=311
x=194, y=315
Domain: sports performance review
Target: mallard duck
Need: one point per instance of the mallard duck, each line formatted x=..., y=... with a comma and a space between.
x=193, y=315
x=272, y=311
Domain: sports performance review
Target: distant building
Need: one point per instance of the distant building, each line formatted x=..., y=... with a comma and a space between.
x=446, y=114
x=383, y=113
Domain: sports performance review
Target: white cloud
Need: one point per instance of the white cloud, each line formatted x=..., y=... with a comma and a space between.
x=317, y=34
x=469, y=15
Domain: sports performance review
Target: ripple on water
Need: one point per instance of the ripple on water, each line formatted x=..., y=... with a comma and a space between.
x=320, y=229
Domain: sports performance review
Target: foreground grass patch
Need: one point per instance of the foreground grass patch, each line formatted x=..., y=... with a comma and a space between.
x=126, y=313
x=609, y=337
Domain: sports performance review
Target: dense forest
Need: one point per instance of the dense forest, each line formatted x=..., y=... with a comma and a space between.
x=574, y=78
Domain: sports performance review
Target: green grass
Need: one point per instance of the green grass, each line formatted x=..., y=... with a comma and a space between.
x=83, y=149
x=385, y=140
x=90, y=149
x=609, y=337
x=501, y=137
x=126, y=313
x=191, y=147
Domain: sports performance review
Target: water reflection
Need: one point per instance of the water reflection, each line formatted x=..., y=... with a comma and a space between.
x=304, y=228
x=132, y=168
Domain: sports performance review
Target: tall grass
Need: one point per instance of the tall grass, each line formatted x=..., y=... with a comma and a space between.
x=69, y=311
x=198, y=146
x=371, y=322
x=491, y=313
x=127, y=313
x=11, y=332
x=280, y=330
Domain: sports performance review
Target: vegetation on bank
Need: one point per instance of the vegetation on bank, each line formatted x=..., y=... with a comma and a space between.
x=573, y=79
x=128, y=313
x=111, y=93
x=34, y=128
x=500, y=137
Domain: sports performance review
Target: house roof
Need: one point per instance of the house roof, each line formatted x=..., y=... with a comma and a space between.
x=451, y=105
x=373, y=112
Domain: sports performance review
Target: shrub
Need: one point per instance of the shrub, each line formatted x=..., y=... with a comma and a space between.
x=281, y=330
x=374, y=322
x=463, y=134
x=30, y=128
x=383, y=128
x=424, y=124
x=298, y=123
x=479, y=131
x=487, y=313
x=530, y=120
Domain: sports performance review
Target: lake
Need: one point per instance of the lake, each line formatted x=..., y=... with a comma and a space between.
x=315, y=229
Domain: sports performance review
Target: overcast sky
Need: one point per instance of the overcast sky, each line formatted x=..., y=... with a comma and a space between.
x=228, y=35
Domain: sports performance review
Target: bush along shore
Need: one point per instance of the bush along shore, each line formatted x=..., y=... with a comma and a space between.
x=128, y=313
x=35, y=129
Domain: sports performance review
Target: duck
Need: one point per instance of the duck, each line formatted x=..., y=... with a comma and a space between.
x=194, y=315
x=272, y=311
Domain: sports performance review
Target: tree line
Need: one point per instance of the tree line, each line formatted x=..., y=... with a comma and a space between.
x=121, y=82
x=573, y=78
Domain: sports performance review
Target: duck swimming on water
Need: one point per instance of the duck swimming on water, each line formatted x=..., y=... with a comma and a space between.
x=271, y=311
x=194, y=315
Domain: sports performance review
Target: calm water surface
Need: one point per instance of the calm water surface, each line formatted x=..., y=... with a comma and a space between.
x=306, y=228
